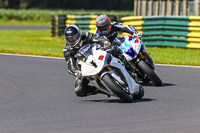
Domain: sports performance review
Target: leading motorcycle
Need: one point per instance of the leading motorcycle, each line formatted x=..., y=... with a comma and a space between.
x=107, y=73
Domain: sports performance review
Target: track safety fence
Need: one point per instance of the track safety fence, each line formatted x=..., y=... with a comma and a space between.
x=179, y=31
x=85, y=22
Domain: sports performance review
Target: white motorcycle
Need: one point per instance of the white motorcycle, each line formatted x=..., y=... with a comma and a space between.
x=136, y=54
x=107, y=73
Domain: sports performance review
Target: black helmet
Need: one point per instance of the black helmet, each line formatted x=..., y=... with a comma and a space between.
x=72, y=35
x=103, y=24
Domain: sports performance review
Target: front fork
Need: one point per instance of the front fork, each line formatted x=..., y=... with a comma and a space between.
x=147, y=57
x=123, y=78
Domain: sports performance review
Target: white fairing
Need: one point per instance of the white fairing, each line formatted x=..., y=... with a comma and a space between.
x=97, y=61
x=88, y=69
x=129, y=43
x=132, y=85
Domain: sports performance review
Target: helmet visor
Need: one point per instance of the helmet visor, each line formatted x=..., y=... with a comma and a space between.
x=72, y=39
x=103, y=28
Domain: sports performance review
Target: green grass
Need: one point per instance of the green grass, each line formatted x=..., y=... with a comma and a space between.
x=39, y=42
x=24, y=22
x=33, y=42
x=178, y=56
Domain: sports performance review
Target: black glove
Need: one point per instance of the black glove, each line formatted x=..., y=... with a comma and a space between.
x=137, y=34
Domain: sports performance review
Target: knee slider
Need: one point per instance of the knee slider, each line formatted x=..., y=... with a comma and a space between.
x=80, y=92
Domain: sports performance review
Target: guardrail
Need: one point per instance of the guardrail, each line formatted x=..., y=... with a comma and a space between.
x=58, y=25
x=85, y=22
x=179, y=31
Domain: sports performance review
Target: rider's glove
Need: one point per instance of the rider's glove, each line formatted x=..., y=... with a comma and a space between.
x=107, y=45
x=137, y=34
x=78, y=74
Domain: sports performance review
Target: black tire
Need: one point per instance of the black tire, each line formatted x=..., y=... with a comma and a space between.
x=124, y=96
x=140, y=94
x=142, y=65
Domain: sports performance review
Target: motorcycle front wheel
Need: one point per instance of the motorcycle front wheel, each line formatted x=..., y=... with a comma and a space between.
x=116, y=89
x=142, y=65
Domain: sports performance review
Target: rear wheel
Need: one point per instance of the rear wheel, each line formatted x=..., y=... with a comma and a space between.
x=116, y=89
x=142, y=65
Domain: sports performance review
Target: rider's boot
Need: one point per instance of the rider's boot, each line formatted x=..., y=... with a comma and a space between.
x=91, y=90
x=82, y=88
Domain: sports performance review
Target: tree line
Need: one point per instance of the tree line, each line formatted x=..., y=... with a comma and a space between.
x=69, y=4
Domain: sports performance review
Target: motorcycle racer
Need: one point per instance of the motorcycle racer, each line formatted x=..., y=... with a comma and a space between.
x=109, y=29
x=75, y=39
x=104, y=27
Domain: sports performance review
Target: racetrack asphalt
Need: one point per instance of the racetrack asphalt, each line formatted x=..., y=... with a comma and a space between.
x=37, y=96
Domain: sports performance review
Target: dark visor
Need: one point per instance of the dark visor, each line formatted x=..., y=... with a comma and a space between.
x=103, y=28
x=72, y=39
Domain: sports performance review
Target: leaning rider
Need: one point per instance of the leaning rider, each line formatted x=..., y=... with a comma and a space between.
x=104, y=27
x=109, y=29
x=75, y=39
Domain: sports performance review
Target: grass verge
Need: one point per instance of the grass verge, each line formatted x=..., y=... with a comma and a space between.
x=39, y=42
x=24, y=22
x=177, y=56
x=33, y=42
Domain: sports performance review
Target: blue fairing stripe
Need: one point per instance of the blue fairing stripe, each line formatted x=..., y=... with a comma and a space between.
x=132, y=28
x=98, y=33
x=131, y=53
x=142, y=48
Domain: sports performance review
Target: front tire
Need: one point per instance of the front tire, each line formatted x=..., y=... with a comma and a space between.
x=142, y=65
x=140, y=94
x=116, y=89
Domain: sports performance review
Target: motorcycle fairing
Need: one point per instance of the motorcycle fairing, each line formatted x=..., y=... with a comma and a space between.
x=132, y=85
x=131, y=47
x=93, y=64
x=97, y=60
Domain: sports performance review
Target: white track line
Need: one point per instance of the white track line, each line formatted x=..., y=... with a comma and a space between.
x=36, y=56
x=47, y=57
x=177, y=65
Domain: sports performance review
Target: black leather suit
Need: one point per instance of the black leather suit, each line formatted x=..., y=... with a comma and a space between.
x=81, y=84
